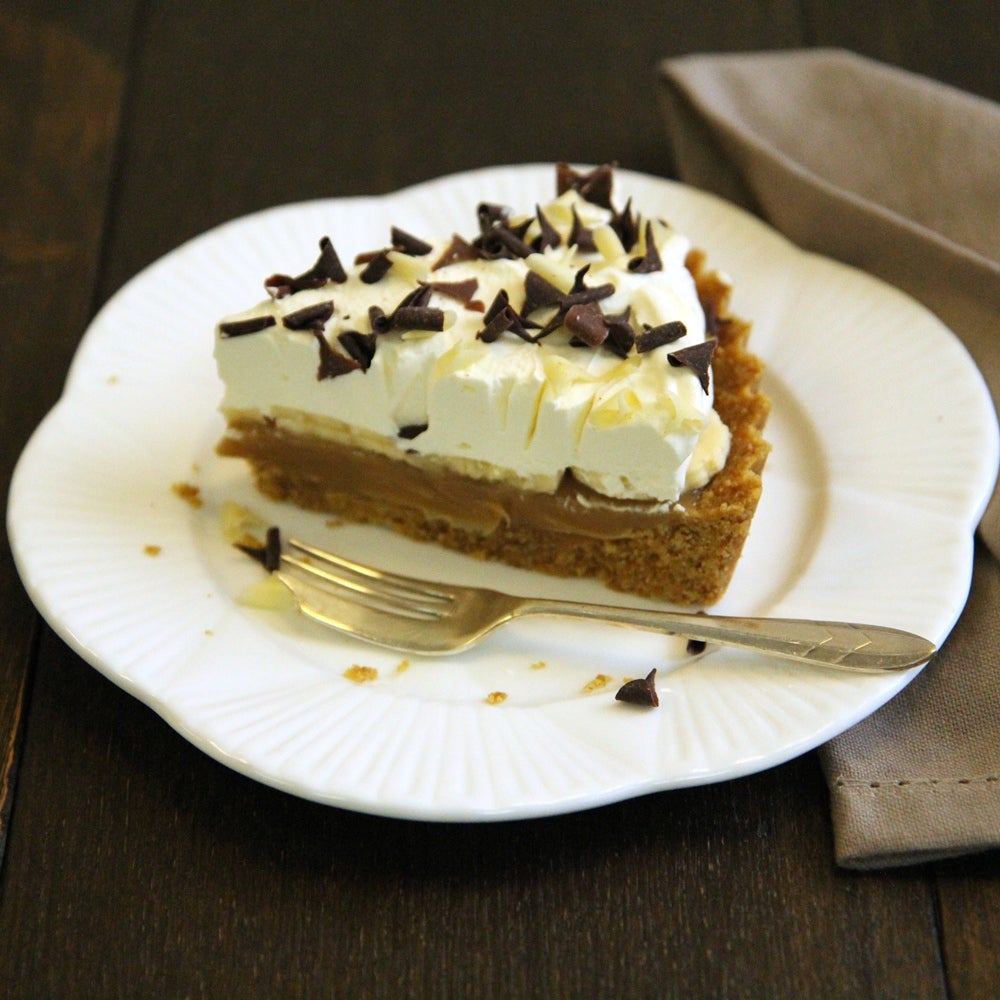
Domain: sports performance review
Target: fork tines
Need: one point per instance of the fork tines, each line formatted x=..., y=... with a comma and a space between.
x=378, y=589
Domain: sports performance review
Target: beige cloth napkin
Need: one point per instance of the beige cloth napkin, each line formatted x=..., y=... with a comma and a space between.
x=899, y=176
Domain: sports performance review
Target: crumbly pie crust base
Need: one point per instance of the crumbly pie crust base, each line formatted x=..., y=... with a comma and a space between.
x=684, y=554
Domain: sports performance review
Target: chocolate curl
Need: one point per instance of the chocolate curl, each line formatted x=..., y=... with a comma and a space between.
x=327, y=268
x=410, y=431
x=310, y=317
x=456, y=251
x=268, y=555
x=650, y=260
x=491, y=215
x=377, y=268
x=418, y=297
x=380, y=323
x=581, y=237
x=593, y=186
x=463, y=291
x=407, y=243
x=626, y=226
x=586, y=323
x=579, y=297
x=538, y=292
x=331, y=363
x=241, y=327
x=499, y=318
x=657, y=336
x=549, y=236
x=501, y=241
x=621, y=335
x=359, y=346
x=697, y=357
x=641, y=691
x=418, y=318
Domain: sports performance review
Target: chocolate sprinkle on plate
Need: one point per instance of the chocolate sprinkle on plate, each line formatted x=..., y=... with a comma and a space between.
x=657, y=336
x=268, y=555
x=241, y=327
x=641, y=691
x=698, y=358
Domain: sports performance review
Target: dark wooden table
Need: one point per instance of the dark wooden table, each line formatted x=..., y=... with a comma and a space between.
x=135, y=866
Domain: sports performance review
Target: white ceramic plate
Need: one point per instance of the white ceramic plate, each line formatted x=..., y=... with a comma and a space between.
x=885, y=448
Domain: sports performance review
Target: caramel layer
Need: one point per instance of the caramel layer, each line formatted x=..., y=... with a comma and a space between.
x=476, y=505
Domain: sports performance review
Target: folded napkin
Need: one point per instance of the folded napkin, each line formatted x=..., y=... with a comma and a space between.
x=897, y=175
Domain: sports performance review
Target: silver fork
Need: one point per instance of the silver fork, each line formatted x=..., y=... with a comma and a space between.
x=418, y=616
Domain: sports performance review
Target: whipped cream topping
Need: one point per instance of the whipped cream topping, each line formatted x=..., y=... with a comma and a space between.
x=635, y=427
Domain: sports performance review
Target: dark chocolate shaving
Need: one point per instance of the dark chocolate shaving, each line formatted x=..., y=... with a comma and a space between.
x=696, y=646
x=418, y=318
x=417, y=298
x=310, y=317
x=539, y=292
x=241, y=327
x=549, y=236
x=463, y=291
x=621, y=335
x=407, y=243
x=410, y=431
x=491, y=215
x=328, y=265
x=657, y=336
x=501, y=317
x=359, y=346
x=697, y=357
x=650, y=260
x=327, y=268
x=457, y=250
x=269, y=554
x=626, y=226
x=412, y=313
x=501, y=241
x=580, y=296
x=378, y=319
x=332, y=363
x=581, y=237
x=641, y=691
x=586, y=323
x=377, y=268
x=593, y=186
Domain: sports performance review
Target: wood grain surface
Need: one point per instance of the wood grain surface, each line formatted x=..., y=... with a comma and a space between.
x=135, y=866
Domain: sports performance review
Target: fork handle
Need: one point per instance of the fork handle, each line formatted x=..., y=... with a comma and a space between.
x=844, y=645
